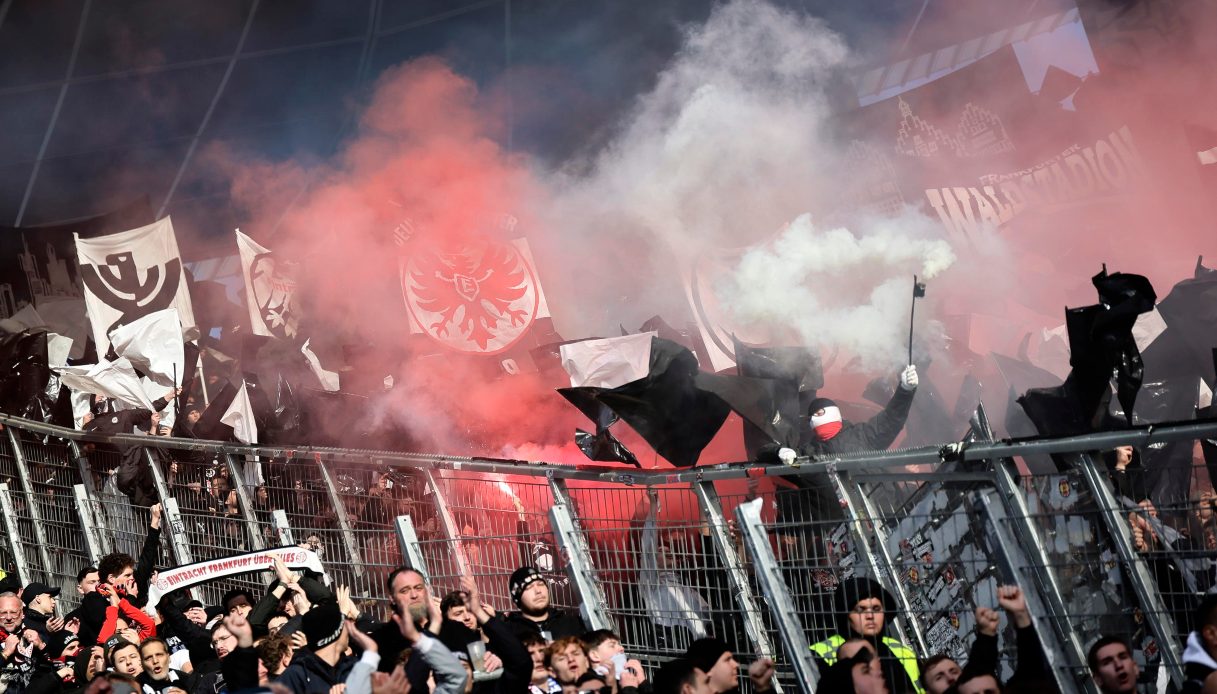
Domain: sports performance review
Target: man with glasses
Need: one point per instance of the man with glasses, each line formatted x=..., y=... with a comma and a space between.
x=863, y=608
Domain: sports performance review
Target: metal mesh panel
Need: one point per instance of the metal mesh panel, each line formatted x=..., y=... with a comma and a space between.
x=939, y=541
x=1097, y=588
x=53, y=472
x=502, y=524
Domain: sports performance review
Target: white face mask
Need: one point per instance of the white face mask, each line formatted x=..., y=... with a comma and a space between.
x=828, y=424
x=831, y=414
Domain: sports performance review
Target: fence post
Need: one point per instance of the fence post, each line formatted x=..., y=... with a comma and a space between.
x=885, y=574
x=92, y=532
x=1021, y=542
x=407, y=539
x=344, y=523
x=711, y=508
x=171, y=514
x=1160, y=621
x=31, y=502
x=449, y=523
x=781, y=604
x=14, y=537
x=1058, y=639
x=235, y=473
x=282, y=529
x=93, y=507
x=573, y=545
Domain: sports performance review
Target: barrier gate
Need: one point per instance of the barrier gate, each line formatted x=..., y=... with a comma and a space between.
x=665, y=556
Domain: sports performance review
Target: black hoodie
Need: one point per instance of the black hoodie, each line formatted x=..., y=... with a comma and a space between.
x=309, y=674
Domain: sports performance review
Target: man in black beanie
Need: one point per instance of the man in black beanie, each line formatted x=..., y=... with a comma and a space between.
x=531, y=594
x=718, y=670
x=322, y=664
x=831, y=435
x=863, y=611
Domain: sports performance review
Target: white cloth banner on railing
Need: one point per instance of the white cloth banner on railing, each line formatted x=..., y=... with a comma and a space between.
x=609, y=362
x=131, y=274
x=189, y=575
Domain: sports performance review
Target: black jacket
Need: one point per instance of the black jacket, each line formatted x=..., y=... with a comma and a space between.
x=309, y=674
x=54, y=640
x=92, y=613
x=390, y=643
x=517, y=663
x=559, y=624
x=816, y=498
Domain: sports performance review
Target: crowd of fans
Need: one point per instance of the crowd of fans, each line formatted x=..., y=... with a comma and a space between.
x=301, y=637
x=304, y=638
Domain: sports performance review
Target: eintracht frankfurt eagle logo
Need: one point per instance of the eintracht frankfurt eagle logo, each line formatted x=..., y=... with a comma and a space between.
x=479, y=297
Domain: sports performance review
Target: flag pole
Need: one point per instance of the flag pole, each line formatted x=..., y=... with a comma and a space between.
x=203, y=380
x=912, y=311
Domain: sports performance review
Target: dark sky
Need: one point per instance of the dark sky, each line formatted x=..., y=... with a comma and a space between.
x=104, y=101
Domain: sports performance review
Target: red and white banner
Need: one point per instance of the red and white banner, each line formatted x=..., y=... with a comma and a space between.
x=201, y=572
x=480, y=298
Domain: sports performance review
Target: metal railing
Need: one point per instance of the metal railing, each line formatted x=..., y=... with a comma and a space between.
x=665, y=556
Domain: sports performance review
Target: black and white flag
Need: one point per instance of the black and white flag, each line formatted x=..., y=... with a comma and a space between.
x=270, y=288
x=131, y=274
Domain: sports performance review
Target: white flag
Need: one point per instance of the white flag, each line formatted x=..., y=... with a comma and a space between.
x=270, y=289
x=608, y=363
x=329, y=379
x=58, y=347
x=240, y=416
x=113, y=379
x=131, y=274
x=153, y=344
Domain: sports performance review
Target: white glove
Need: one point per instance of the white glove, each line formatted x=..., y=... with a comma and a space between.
x=787, y=456
x=908, y=378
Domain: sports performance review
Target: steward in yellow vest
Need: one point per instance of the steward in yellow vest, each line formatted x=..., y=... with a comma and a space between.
x=863, y=611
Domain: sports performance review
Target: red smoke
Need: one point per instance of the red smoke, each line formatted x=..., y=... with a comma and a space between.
x=426, y=163
x=424, y=168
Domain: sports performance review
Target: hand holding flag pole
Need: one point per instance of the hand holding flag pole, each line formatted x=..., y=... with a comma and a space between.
x=918, y=291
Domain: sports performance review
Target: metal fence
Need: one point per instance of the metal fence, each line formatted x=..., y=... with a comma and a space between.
x=752, y=553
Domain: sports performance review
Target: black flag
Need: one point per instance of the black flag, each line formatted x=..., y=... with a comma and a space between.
x=1100, y=343
x=666, y=407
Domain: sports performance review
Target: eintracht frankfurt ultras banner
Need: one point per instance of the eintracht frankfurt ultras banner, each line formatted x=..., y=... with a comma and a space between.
x=270, y=289
x=131, y=274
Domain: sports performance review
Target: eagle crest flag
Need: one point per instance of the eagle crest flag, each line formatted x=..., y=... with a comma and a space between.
x=270, y=288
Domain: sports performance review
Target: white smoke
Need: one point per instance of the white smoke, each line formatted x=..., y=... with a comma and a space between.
x=732, y=144
x=721, y=152
x=839, y=289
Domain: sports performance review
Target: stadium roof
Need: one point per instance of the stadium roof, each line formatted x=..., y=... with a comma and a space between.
x=105, y=102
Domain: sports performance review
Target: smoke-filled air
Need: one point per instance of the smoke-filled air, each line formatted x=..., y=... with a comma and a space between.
x=735, y=193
